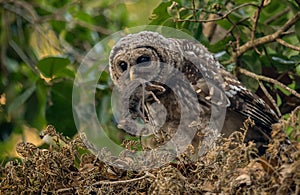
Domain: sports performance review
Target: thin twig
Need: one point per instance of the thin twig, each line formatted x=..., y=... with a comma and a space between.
x=256, y=18
x=194, y=10
x=218, y=18
x=276, y=16
x=282, y=42
x=93, y=27
x=254, y=26
x=288, y=33
x=235, y=25
x=261, y=160
x=266, y=39
x=23, y=56
x=26, y=6
x=270, y=98
x=64, y=190
x=269, y=80
x=123, y=181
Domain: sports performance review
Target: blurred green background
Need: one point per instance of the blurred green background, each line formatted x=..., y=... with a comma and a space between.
x=43, y=42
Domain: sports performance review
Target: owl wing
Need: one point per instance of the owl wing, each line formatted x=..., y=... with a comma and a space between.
x=213, y=81
x=201, y=69
x=247, y=103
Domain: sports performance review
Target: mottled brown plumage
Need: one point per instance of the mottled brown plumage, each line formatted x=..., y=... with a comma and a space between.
x=142, y=55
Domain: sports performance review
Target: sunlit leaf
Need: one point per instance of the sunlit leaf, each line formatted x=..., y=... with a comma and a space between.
x=286, y=92
x=44, y=42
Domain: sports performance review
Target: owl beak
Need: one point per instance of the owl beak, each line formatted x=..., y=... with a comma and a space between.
x=131, y=74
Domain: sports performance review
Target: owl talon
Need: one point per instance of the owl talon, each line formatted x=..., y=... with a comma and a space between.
x=149, y=87
x=152, y=87
x=154, y=96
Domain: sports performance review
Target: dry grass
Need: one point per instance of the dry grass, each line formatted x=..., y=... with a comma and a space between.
x=231, y=168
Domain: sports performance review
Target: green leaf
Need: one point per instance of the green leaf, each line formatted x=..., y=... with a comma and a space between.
x=169, y=22
x=224, y=24
x=36, y=106
x=84, y=16
x=51, y=66
x=251, y=63
x=279, y=101
x=160, y=13
x=287, y=93
x=21, y=99
x=274, y=6
x=289, y=130
x=58, y=26
x=60, y=113
x=282, y=63
x=264, y=29
x=297, y=30
x=298, y=70
x=221, y=45
x=234, y=18
x=67, y=73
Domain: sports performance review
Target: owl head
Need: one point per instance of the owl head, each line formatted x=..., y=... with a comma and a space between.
x=146, y=55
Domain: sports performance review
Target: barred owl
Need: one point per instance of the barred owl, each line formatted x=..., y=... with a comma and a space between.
x=142, y=55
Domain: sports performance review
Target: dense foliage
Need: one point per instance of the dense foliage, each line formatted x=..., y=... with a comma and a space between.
x=42, y=44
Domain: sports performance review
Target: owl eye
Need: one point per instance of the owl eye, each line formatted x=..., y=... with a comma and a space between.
x=123, y=65
x=142, y=59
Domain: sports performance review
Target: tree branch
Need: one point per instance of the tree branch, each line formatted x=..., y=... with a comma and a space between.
x=269, y=80
x=266, y=39
x=276, y=16
x=282, y=42
x=218, y=18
